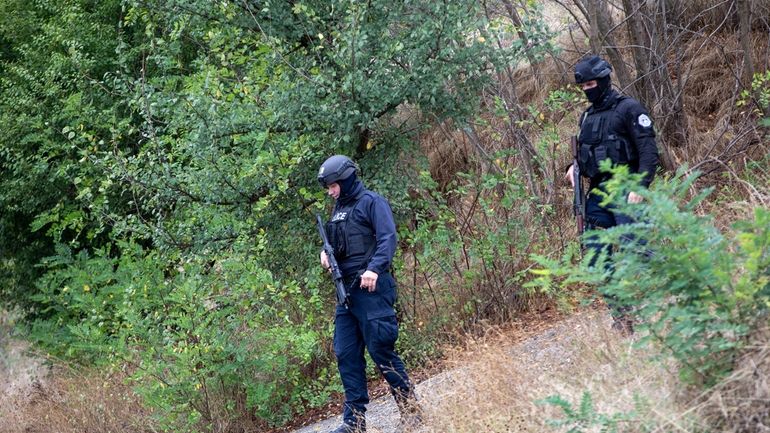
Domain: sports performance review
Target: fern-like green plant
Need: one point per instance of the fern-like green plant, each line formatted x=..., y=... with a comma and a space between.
x=585, y=416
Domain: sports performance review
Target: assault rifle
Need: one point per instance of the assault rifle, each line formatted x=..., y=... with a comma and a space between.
x=339, y=284
x=578, y=202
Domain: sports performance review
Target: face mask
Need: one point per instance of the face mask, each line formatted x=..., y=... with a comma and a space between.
x=347, y=184
x=594, y=94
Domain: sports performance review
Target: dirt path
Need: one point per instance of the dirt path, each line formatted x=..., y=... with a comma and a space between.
x=18, y=371
x=549, y=349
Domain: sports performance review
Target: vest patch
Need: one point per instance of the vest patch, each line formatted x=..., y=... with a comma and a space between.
x=644, y=121
x=339, y=216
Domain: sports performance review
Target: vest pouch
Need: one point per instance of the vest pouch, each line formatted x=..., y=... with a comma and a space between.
x=357, y=244
x=337, y=239
x=590, y=141
x=619, y=151
x=600, y=154
x=615, y=153
x=587, y=162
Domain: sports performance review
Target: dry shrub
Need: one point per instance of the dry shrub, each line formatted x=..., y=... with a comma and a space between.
x=534, y=84
x=741, y=402
x=711, y=14
x=448, y=152
x=713, y=64
x=496, y=386
x=723, y=137
x=72, y=401
x=710, y=82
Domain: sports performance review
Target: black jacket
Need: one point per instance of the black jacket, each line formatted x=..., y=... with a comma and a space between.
x=619, y=128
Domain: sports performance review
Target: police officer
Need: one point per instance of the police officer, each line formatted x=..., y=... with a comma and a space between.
x=615, y=127
x=363, y=235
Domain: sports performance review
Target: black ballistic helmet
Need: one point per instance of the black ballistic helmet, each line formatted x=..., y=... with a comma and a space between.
x=335, y=169
x=591, y=68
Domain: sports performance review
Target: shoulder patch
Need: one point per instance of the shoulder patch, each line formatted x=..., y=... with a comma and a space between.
x=644, y=121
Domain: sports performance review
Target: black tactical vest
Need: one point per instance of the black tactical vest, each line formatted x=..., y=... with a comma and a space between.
x=353, y=239
x=602, y=136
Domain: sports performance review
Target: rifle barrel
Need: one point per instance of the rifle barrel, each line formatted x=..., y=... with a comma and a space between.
x=339, y=283
x=578, y=201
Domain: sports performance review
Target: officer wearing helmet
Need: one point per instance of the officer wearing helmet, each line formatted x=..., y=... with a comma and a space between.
x=363, y=235
x=615, y=127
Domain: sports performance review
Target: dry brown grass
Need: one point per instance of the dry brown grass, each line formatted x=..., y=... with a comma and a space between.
x=711, y=14
x=497, y=385
x=712, y=65
x=492, y=394
x=35, y=398
x=448, y=152
x=70, y=401
x=496, y=388
x=741, y=403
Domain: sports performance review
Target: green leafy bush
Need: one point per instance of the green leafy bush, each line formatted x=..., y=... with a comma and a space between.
x=207, y=343
x=758, y=97
x=697, y=291
x=158, y=169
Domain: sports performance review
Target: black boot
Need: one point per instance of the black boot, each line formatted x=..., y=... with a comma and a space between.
x=347, y=428
x=359, y=426
x=624, y=324
x=409, y=408
x=622, y=318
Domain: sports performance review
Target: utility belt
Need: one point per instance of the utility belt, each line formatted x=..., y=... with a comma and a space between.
x=351, y=279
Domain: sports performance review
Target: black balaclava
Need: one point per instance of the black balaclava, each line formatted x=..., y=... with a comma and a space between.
x=597, y=94
x=349, y=187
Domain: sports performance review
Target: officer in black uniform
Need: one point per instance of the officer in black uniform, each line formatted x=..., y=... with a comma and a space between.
x=615, y=127
x=363, y=235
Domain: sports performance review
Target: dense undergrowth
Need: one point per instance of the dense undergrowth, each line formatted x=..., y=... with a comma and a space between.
x=158, y=191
